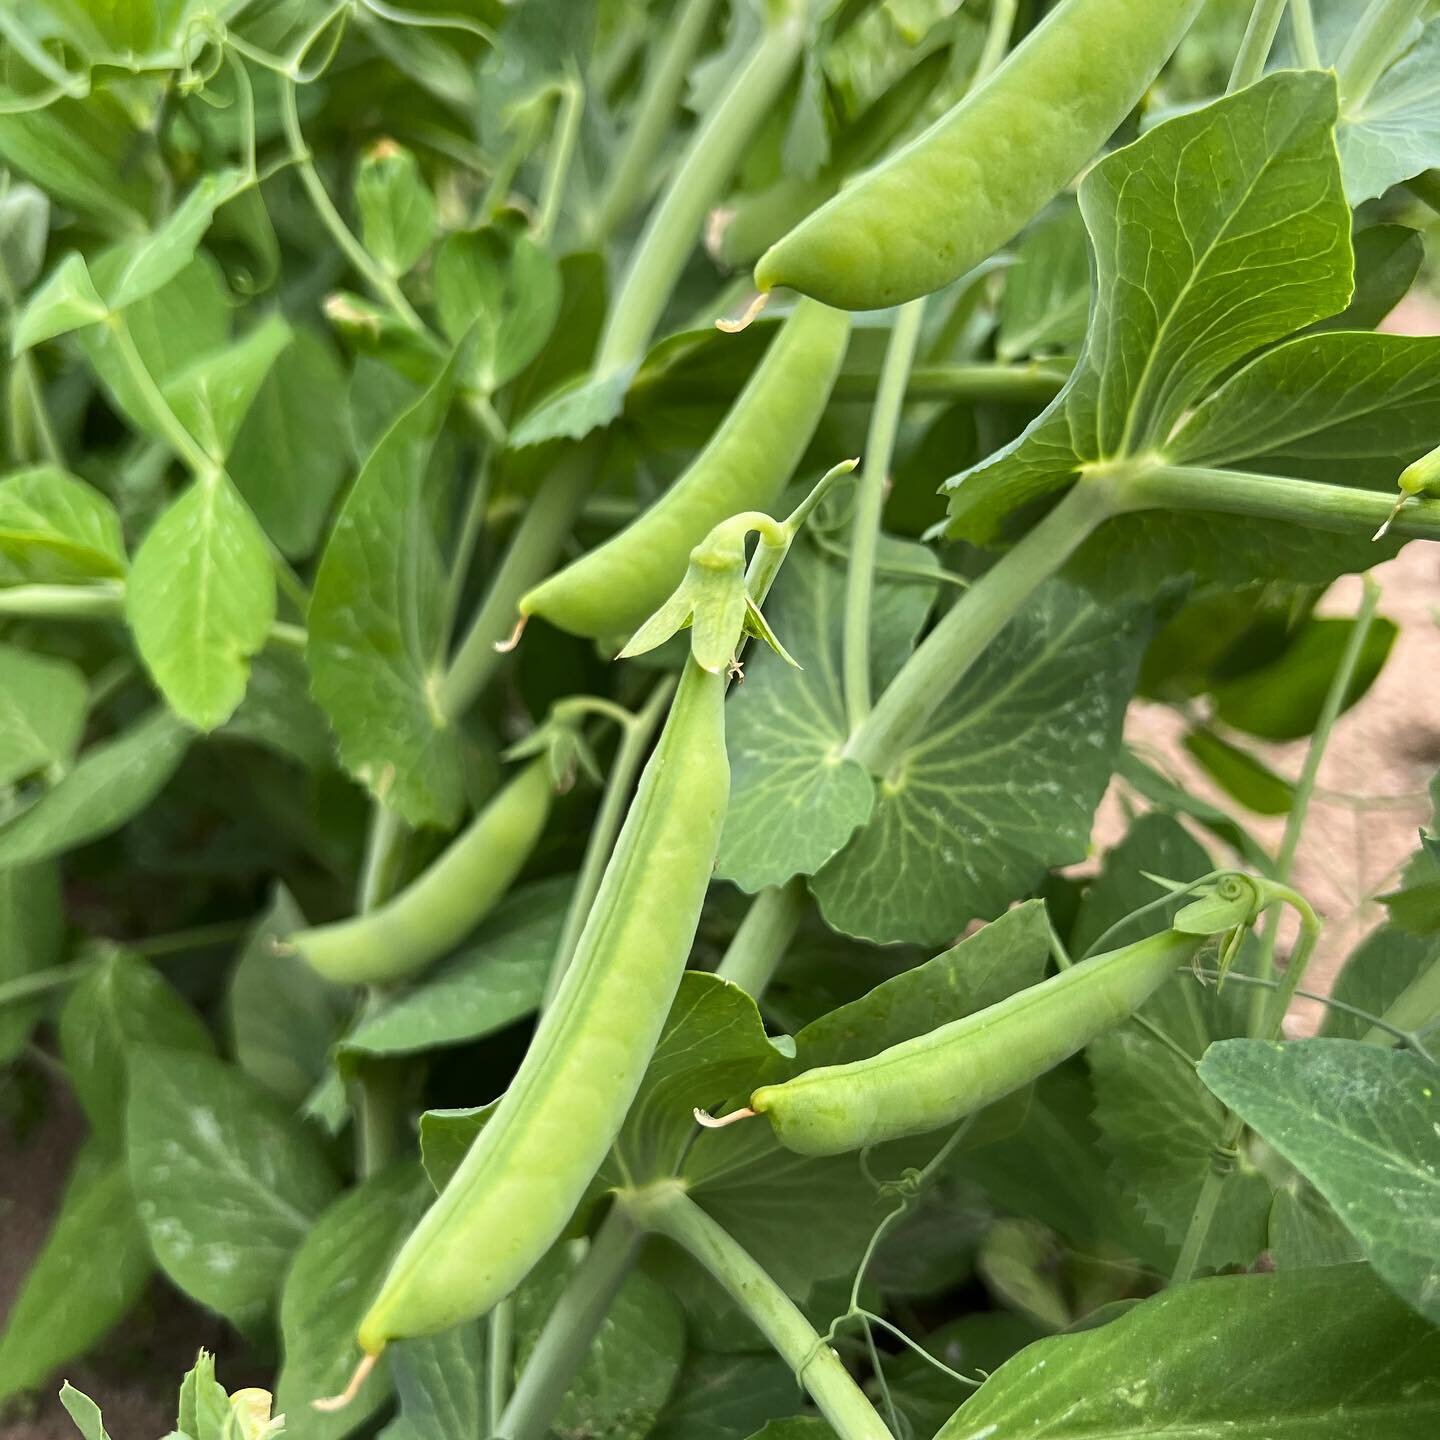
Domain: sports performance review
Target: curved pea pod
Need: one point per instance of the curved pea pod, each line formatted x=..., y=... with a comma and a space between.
x=963, y=188
x=436, y=911
x=938, y=1078
x=746, y=465
x=528, y=1169
x=1423, y=476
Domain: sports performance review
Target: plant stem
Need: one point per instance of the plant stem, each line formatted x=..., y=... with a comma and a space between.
x=570, y=1328
x=471, y=525
x=41, y=982
x=1255, y=47
x=1374, y=40
x=499, y=1364
x=169, y=423
x=869, y=503
x=664, y=79
x=1033, y=382
x=634, y=744
x=104, y=601
x=667, y=1210
x=759, y=945
x=997, y=40
x=945, y=656
x=707, y=163
x=1412, y=1010
x=543, y=529
x=198, y=937
x=562, y=150
x=1302, y=26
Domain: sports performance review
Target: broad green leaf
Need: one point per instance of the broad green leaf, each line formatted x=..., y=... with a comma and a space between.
x=725, y=1397
x=213, y=395
x=794, y=797
x=67, y=301
x=1394, y=133
x=1240, y=774
x=84, y=1412
x=1283, y=700
x=330, y=1285
x=631, y=1365
x=1005, y=782
x=574, y=410
x=122, y=1007
x=1327, y=1354
x=440, y=1383
x=1415, y=905
x=86, y=1278
x=42, y=712
x=32, y=932
x=277, y=711
x=201, y=600
x=1387, y=259
x=283, y=1017
x=227, y=1183
x=397, y=210
x=109, y=785
x=377, y=625
x=56, y=530
x=496, y=980
x=1362, y=1123
x=1046, y=299
x=291, y=453
x=1305, y=1232
x=1376, y=973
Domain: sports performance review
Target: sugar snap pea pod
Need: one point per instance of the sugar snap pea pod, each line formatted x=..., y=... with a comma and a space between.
x=437, y=910
x=1423, y=476
x=961, y=189
x=746, y=465
x=938, y=1078
x=527, y=1170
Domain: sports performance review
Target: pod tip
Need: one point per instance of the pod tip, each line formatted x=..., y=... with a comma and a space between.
x=719, y=1122
x=506, y=645
x=734, y=327
x=332, y=1403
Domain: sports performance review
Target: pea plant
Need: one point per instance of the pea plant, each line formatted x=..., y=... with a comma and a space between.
x=571, y=580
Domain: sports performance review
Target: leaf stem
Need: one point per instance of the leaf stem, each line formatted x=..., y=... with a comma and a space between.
x=755, y=952
x=1373, y=42
x=41, y=982
x=869, y=503
x=998, y=31
x=499, y=1363
x=1255, y=46
x=562, y=150
x=171, y=427
x=105, y=601
x=1302, y=26
x=1411, y=1011
x=708, y=162
x=667, y=1210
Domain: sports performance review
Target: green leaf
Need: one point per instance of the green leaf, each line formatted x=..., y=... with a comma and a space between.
x=794, y=797
x=42, y=713
x=86, y=1278
x=1387, y=259
x=1283, y=700
x=440, y=1383
x=1375, y=974
x=226, y=1181
x=291, y=453
x=1046, y=300
x=377, y=623
x=201, y=600
x=32, y=934
x=283, y=1016
x=1240, y=774
x=496, y=980
x=1305, y=1232
x=277, y=711
x=724, y=1397
x=574, y=410
x=335, y=1275
x=1323, y=1353
x=1395, y=132
x=67, y=301
x=397, y=210
x=56, y=530
x=1362, y=1123
x=204, y=1405
x=109, y=785
x=1415, y=905
x=1005, y=782
x=24, y=230
x=84, y=1412
x=122, y=1007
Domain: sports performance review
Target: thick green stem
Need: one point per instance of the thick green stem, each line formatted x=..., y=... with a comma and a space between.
x=1376, y=38
x=1417, y=1005
x=654, y=111
x=42, y=982
x=634, y=745
x=707, y=164
x=1255, y=47
x=570, y=1328
x=668, y=1210
x=538, y=538
x=869, y=503
x=997, y=40
x=562, y=151
x=499, y=1364
x=1302, y=25
x=977, y=617
x=104, y=601
x=759, y=944
x=1035, y=382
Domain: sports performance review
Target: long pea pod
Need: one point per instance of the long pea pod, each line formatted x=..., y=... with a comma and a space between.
x=435, y=912
x=746, y=465
x=967, y=185
x=527, y=1170
x=940, y=1077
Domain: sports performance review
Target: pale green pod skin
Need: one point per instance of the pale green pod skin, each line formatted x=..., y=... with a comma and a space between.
x=1423, y=476
x=938, y=1078
x=433, y=914
x=746, y=466
x=519, y=1185
x=966, y=186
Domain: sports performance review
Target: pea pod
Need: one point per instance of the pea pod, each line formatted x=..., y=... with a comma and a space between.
x=1423, y=476
x=964, y=187
x=434, y=913
x=746, y=465
x=940, y=1077
x=526, y=1172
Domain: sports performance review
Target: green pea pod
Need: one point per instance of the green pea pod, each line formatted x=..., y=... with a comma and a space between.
x=746, y=466
x=436, y=912
x=961, y=189
x=528, y=1169
x=938, y=1078
x=1422, y=477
